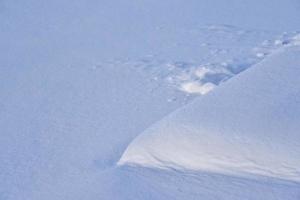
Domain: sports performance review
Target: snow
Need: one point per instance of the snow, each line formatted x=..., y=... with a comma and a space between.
x=195, y=87
x=249, y=125
x=82, y=80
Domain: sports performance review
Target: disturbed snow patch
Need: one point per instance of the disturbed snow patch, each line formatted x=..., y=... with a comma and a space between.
x=203, y=77
x=230, y=50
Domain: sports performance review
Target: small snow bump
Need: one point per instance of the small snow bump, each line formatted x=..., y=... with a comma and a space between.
x=201, y=72
x=260, y=55
x=172, y=99
x=296, y=40
x=155, y=78
x=197, y=88
x=281, y=42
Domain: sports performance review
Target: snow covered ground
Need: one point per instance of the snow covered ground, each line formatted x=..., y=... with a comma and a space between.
x=81, y=82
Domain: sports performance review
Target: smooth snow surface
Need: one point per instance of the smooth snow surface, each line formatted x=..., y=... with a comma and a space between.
x=81, y=80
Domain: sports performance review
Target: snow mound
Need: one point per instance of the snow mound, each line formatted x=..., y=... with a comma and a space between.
x=249, y=126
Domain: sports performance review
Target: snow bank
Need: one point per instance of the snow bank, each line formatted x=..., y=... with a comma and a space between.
x=248, y=126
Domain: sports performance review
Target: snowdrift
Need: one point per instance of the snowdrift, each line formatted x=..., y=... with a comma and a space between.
x=248, y=126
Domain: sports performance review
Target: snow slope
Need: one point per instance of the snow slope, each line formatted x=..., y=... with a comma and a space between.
x=248, y=126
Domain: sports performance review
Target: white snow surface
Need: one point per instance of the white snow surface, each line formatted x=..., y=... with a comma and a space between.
x=249, y=125
x=82, y=81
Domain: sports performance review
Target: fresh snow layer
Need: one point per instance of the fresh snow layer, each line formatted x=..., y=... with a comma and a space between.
x=81, y=79
x=248, y=126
